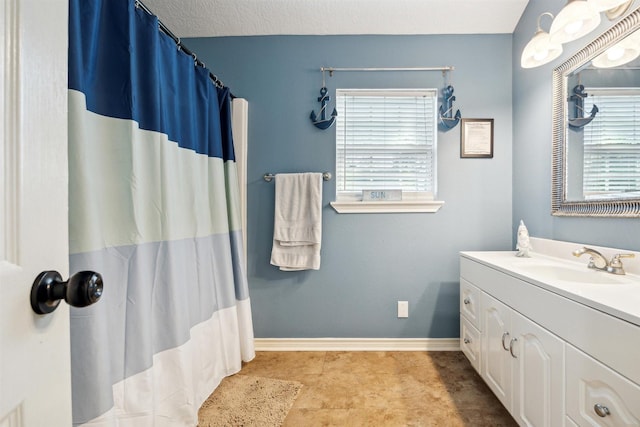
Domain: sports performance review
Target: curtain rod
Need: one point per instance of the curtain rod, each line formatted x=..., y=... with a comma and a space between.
x=332, y=69
x=181, y=46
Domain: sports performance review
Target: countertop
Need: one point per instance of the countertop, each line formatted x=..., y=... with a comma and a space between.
x=616, y=295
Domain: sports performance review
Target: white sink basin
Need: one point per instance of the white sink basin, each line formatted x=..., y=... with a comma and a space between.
x=570, y=273
x=581, y=276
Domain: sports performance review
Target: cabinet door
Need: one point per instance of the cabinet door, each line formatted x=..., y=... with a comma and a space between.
x=538, y=374
x=495, y=358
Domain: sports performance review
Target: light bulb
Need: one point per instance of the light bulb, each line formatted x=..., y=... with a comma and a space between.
x=573, y=27
x=539, y=55
x=615, y=53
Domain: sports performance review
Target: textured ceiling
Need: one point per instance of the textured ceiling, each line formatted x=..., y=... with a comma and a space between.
x=214, y=18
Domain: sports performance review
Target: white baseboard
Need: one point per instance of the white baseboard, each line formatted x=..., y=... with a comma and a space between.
x=357, y=344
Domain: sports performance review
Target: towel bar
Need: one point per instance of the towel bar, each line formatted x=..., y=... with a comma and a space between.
x=269, y=176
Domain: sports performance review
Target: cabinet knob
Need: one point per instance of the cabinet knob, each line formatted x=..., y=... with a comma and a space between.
x=601, y=410
x=467, y=341
x=466, y=301
x=506, y=334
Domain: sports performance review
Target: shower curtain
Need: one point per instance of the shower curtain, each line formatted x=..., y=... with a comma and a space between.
x=154, y=207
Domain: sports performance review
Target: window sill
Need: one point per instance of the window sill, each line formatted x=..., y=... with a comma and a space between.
x=404, y=206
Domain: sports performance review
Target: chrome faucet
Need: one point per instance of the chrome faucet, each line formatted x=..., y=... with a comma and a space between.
x=599, y=262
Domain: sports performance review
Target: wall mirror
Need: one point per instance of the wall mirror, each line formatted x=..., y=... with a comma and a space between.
x=596, y=126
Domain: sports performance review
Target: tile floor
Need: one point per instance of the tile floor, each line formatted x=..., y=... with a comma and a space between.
x=385, y=388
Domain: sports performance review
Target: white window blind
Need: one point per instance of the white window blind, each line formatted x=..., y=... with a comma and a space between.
x=612, y=144
x=386, y=139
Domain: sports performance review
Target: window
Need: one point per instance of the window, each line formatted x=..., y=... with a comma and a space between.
x=611, y=147
x=386, y=140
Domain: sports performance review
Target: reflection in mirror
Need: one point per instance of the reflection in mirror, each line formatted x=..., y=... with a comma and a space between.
x=603, y=155
x=597, y=126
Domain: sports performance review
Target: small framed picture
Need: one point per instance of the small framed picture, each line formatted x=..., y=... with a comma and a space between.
x=476, y=138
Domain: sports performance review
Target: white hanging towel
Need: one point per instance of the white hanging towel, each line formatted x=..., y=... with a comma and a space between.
x=297, y=229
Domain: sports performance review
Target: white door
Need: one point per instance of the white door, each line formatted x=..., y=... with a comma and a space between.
x=496, y=358
x=538, y=375
x=35, y=374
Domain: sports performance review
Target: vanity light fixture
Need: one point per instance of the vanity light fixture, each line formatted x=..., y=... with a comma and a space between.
x=575, y=20
x=540, y=50
x=619, y=54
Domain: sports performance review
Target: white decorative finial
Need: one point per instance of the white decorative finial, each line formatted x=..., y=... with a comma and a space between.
x=523, y=246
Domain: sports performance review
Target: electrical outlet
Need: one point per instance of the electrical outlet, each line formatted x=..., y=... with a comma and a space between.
x=403, y=309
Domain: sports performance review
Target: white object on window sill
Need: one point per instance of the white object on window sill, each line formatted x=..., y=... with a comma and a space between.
x=381, y=195
x=404, y=206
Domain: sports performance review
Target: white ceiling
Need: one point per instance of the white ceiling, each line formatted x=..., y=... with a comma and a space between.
x=213, y=18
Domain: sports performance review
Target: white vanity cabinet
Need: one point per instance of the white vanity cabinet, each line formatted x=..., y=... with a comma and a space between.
x=550, y=360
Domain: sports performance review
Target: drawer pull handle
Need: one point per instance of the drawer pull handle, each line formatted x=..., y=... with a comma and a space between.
x=467, y=301
x=467, y=341
x=511, y=347
x=506, y=334
x=601, y=410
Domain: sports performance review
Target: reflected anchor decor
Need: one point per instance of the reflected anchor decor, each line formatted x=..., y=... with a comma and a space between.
x=578, y=97
x=447, y=120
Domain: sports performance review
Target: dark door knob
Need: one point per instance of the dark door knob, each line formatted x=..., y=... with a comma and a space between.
x=82, y=289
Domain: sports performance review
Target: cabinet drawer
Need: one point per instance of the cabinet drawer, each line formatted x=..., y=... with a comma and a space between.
x=470, y=302
x=470, y=342
x=598, y=396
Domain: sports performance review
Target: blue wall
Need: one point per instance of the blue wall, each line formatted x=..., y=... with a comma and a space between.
x=369, y=261
x=532, y=146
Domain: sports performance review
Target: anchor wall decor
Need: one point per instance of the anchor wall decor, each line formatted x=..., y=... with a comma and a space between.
x=323, y=122
x=447, y=119
x=578, y=97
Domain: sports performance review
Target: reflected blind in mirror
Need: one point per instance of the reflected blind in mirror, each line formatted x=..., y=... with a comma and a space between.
x=612, y=144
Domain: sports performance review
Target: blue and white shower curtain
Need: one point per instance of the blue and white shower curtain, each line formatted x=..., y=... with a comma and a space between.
x=154, y=207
